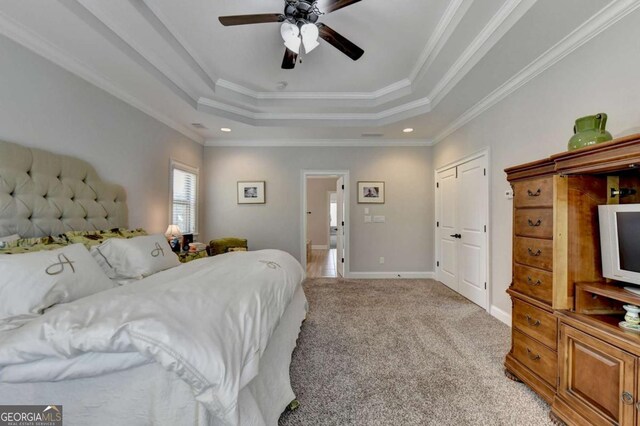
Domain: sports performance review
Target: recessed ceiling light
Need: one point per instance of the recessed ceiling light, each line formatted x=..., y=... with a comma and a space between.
x=225, y=129
x=408, y=130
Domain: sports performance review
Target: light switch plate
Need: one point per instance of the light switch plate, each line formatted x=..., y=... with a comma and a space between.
x=379, y=219
x=508, y=194
x=366, y=210
x=367, y=219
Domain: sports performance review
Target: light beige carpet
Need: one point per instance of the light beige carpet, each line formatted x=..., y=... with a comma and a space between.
x=403, y=352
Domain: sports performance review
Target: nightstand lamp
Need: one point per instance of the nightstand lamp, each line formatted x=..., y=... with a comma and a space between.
x=173, y=234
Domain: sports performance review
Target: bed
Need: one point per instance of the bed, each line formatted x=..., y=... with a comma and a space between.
x=205, y=343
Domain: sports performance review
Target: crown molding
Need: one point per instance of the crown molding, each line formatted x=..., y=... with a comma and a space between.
x=598, y=23
x=416, y=107
x=95, y=18
x=318, y=143
x=452, y=16
x=171, y=35
x=27, y=38
x=508, y=14
x=339, y=96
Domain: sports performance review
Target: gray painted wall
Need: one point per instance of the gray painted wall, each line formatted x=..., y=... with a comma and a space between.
x=44, y=106
x=405, y=240
x=537, y=121
x=318, y=206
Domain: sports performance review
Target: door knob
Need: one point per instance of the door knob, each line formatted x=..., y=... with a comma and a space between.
x=456, y=235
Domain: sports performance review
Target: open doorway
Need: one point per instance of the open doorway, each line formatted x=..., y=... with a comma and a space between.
x=324, y=227
x=333, y=220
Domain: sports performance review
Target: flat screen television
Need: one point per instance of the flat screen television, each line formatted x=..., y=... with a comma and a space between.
x=620, y=243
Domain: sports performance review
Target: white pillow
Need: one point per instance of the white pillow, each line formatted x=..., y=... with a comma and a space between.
x=134, y=258
x=33, y=282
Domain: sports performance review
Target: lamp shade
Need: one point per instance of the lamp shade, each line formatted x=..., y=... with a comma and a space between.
x=173, y=231
x=291, y=36
x=310, y=34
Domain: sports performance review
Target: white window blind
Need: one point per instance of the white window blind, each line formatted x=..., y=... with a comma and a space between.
x=185, y=199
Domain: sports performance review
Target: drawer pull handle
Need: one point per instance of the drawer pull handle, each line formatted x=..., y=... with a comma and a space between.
x=532, y=357
x=627, y=398
x=534, y=283
x=534, y=253
x=536, y=224
x=531, y=322
x=533, y=194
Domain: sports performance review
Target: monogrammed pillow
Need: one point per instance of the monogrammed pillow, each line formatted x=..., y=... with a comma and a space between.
x=134, y=258
x=33, y=282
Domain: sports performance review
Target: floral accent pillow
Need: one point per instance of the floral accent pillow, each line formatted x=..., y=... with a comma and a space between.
x=95, y=238
x=28, y=245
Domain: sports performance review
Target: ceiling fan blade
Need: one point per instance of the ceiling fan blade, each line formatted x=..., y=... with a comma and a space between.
x=340, y=42
x=328, y=6
x=251, y=19
x=289, y=61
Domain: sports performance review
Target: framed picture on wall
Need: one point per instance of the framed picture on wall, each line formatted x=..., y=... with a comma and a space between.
x=371, y=192
x=251, y=192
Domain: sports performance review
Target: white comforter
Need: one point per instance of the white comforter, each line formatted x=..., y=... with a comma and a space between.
x=208, y=321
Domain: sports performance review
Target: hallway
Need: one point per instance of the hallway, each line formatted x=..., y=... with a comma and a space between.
x=322, y=264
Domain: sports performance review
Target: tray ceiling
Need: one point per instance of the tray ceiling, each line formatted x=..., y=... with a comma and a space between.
x=430, y=64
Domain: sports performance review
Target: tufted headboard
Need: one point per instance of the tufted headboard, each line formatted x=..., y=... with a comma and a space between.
x=42, y=194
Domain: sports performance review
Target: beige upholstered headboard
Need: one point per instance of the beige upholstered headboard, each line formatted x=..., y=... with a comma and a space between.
x=42, y=193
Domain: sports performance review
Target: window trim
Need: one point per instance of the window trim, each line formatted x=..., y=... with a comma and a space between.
x=175, y=164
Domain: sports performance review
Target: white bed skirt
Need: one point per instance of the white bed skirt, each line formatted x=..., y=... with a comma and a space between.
x=149, y=395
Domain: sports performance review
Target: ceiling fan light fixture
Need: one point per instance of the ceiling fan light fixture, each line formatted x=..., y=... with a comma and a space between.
x=310, y=34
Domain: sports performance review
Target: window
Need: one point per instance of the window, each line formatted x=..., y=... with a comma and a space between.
x=184, y=201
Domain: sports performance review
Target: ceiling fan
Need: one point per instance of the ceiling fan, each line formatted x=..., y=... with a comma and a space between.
x=300, y=26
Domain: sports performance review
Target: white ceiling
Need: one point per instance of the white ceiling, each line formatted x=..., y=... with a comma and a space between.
x=429, y=64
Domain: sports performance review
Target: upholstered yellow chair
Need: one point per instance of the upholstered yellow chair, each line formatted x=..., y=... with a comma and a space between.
x=227, y=244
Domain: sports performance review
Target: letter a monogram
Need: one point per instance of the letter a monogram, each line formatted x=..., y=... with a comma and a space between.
x=157, y=251
x=62, y=261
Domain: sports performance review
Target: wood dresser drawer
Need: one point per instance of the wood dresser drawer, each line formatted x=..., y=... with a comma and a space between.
x=536, y=356
x=536, y=323
x=536, y=223
x=533, y=192
x=533, y=282
x=533, y=252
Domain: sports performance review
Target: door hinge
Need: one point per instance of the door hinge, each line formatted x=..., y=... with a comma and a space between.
x=343, y=187
x=343, y=223
x=485, y=172
x=438, y=263
x=485, y=228
x=485, y=285
x=343, y=260
x=437, y=224
x=438, y=185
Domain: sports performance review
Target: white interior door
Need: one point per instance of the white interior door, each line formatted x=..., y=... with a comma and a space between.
x=472, y=251
x=447, y=191
x=340, y=234
x=462, y=197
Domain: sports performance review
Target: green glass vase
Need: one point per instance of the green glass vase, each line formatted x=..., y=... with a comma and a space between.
x=589, y=130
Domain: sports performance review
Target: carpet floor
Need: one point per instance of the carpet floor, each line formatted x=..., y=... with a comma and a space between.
x=403, y=352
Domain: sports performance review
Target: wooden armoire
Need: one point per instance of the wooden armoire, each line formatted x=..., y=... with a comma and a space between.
x=566, y=342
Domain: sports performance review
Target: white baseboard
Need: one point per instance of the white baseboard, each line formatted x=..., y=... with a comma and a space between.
x=391, y=275
x=319, y=247
x=501, y=315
